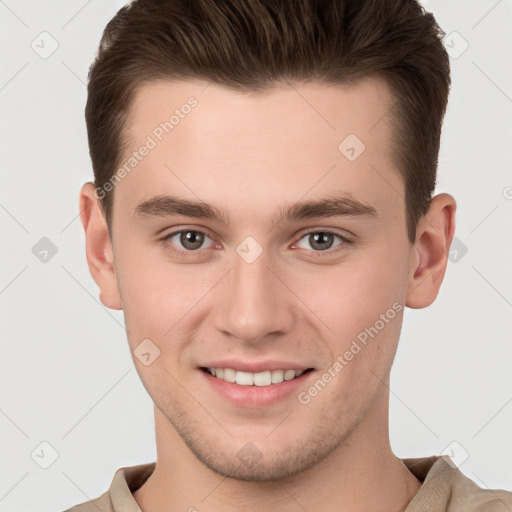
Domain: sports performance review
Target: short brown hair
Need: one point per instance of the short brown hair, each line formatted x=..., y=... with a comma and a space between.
x=248, y=45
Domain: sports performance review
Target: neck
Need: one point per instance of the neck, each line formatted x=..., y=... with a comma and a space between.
x=361, y=474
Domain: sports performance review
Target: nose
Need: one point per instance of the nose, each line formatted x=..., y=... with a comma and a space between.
x=255, y=303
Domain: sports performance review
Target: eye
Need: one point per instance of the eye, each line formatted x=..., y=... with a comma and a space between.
x=322, y=241
x=189, y=239
x=189, y=242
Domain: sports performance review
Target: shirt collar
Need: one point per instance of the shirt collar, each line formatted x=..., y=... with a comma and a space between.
x=435, y=472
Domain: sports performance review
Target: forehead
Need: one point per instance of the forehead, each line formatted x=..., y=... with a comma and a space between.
x=210, y=142
x=300, y=107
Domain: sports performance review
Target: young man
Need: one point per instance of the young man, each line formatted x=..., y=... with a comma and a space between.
x=262, y=213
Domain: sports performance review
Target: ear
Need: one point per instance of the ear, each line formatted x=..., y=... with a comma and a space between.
x=429, y=254
x=98, y=247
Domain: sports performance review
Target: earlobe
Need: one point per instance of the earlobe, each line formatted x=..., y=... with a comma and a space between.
x=429, y=254
x=98, y=247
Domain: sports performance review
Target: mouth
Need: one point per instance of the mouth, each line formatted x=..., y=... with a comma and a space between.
x=261, y=379
x=255, y=384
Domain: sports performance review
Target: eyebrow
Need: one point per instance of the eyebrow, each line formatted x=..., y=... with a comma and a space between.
x=332, y=206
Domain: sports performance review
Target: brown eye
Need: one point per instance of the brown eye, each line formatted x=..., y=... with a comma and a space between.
x=191, y=239
x=321, y=240
x=186, y=241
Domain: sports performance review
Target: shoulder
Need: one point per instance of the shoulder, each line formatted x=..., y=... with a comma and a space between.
x=484, y=500
x=119, y=496
x=467, y=495
x=446, y=488
x=101, y=504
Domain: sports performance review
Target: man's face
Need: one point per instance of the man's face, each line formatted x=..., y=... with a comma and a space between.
x=256, y=289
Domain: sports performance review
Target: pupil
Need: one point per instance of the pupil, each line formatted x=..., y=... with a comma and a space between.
x=321, y=239
x=191, y=239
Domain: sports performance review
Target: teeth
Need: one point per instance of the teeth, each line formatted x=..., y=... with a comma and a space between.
x=265, y=378
x=244, y=378
x=262, y=378
x=277, y=376
x=289, y=374
x=229, y=375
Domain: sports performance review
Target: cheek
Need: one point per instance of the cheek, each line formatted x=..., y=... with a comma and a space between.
x=155, y=293
x=360, y=305
x=340, y=300
x=351, y=295
x=366, y=321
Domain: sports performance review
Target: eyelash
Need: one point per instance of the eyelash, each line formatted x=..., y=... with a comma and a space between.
x=344, y=241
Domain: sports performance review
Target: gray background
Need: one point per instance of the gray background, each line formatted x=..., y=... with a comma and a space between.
x=66, y=372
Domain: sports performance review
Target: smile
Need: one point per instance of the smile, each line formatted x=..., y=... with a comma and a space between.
x=264, y=378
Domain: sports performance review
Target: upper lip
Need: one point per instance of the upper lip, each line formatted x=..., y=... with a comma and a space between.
x=255, y=366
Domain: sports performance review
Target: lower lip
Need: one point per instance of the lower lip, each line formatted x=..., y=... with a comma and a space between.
x=256, y=396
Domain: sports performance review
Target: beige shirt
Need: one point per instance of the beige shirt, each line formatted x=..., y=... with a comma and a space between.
x=444, y=488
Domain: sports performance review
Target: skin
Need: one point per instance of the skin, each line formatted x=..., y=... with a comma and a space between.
x=251, y=154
